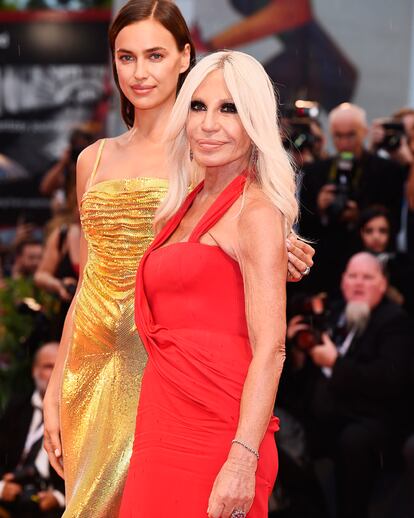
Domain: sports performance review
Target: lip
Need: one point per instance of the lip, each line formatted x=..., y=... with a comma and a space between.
x=142, y=89
x=209, y=143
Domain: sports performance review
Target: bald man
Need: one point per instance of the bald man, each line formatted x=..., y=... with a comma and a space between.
x=356, y=383
x=21, y=450
x=335, y=190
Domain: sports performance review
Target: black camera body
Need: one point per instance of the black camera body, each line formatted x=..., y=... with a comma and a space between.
x=315, y=314
x=344, y=167
x=394, y=132
x=31, y=482
x=301, y=137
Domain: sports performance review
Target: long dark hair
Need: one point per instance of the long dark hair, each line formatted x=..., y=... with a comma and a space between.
x=168, y=15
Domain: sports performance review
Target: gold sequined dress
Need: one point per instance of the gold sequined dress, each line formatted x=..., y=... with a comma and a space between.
x=103, y=370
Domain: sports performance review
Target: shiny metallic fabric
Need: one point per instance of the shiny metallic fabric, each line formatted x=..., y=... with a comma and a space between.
x=102, y=375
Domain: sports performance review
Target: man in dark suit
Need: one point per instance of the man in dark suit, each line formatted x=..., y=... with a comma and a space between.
x=29, y=487
x=356, y=383
x=334, y=191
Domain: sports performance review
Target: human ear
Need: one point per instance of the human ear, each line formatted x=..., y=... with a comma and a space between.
x=185, y=58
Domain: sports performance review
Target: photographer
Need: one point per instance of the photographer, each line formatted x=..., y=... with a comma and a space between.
x=394, y=139
x=354, y=379
x=62, y=175
x=335, y=190
x=29, y=487
x=302, y=133
x=58, y=271
x=27, y=257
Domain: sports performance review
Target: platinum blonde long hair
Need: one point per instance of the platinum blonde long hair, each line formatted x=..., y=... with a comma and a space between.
x=254, y=96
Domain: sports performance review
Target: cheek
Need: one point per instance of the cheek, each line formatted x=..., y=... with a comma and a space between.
x=191, y=126
x=240, y=138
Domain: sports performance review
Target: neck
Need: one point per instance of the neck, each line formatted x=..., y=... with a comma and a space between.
x=150, y=124
x=217, y=178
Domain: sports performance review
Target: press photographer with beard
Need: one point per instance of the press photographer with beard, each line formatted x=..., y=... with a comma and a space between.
x=29, y=487
x=335, y=190
x=355, y=382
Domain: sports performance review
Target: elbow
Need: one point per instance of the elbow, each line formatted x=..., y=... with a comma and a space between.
x=273, y=356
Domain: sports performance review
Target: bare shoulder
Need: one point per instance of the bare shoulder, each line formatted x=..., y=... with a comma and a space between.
x=84, y=165
x=259, y=214
x=261, y=231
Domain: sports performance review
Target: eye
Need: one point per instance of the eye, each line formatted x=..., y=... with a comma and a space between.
x=229, y=108
x=126, y=58
x=197, y=106
x=156, y=56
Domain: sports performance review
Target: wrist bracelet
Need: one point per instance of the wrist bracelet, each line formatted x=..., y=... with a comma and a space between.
x=251, y=450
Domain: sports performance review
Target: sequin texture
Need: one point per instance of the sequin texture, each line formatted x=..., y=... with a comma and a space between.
x=103, y=371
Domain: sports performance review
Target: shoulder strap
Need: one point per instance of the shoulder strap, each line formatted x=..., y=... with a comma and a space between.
x=221, y=205
x=98, y=159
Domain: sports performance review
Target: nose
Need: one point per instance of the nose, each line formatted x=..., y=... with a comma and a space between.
x=140, y=69
x=210, y=121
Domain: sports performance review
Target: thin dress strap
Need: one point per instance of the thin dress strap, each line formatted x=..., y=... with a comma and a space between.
x=220, y=206
x=97, y=160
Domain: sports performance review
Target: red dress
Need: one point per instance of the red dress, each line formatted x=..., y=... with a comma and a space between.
x=191, y=317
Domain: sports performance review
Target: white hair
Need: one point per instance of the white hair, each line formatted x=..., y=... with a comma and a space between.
x=357, y=112
x=254, y=96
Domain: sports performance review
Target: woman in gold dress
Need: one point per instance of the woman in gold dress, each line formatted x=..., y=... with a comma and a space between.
x=91, y=402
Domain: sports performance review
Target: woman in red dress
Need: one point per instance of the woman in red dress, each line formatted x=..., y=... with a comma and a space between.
x=210, y=304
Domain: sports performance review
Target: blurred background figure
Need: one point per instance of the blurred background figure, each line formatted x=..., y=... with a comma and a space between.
x=376, y=231
x=335, y=190
x=28, y=256
x=62, y=175
x=58, y=271
x=348, y=381
x=29, y=487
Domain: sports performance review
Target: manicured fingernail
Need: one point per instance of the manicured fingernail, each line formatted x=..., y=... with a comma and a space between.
x=57, y=452
x=288, y=243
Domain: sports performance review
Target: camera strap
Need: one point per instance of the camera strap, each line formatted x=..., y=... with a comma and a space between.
x=355, y=176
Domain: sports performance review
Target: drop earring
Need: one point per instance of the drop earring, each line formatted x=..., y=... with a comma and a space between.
x=191, y=155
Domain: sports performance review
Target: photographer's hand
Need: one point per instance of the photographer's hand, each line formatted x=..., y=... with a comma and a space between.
x=47, y=501
x=377, y=133
x=324, y=355
x=11, y=491
x=326, y=197
x=351, y=212
x=403, y=154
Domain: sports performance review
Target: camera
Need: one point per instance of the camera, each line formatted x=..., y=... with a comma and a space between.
x=298, y=119
x=394, y=132
x=315, y=315
x=79, y=140
x=31, y=482
x=344, y=166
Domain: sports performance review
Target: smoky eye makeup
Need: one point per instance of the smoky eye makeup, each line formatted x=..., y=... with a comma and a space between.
x=197, y=105
x=228, y=107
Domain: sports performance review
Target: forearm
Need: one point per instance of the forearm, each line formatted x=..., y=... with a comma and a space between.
x=48, y=282
x=275, y=17
x=258, y=397
x=53, y=179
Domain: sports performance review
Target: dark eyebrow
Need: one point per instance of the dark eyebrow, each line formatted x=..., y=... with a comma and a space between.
x=154, y=49
x=221, y=101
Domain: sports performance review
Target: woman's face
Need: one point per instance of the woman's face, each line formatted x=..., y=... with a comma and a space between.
x=148, y=63
x=375, y=234
x=214, y=130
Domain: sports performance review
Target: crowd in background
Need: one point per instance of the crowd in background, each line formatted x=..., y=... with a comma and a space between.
x=346, y=395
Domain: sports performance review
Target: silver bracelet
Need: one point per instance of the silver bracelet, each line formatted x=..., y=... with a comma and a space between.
x=251, y=450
